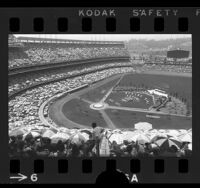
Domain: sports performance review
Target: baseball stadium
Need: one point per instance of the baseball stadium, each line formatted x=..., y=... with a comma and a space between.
x=87, y=98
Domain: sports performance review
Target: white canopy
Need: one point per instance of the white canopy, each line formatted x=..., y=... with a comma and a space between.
x=143, y=126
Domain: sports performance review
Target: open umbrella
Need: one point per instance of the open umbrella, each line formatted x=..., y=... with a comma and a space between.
x=63, y=129
x=151, y=136
x=53, y=129
x=186, y=138
x=152, y=133
x=154, y=146
x=129, y=136
x=77, y=139
x=88, y=131
x=158, y=136
x=142, y=139
x=172, y=132
x=17, y=133
x=162, y=131
x=161, y=135
x=182, y=131
x=118, y=137
x=190, y=146
x=166, y=142
x=73, y=131
x=59, y=136
x=86, y=135
x=30, y=135
x=117, y=131
x=48, y=134
x=190, y=131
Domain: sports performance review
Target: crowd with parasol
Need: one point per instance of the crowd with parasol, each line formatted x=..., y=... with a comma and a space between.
x=98, y=141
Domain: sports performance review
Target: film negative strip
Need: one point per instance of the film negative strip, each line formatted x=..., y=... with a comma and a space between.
x=100, y=95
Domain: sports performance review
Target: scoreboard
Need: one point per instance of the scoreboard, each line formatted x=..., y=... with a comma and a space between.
x=178, y=54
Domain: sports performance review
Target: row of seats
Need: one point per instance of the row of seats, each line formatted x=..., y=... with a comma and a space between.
x=37, y=54
x=21, y=82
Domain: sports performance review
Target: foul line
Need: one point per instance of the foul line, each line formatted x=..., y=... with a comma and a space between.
x=110, y=90
x=107, y=119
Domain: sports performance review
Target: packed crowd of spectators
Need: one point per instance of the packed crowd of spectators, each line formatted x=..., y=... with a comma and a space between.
x=21, y=82
x=23, y=109
x=98, y=141
x=170, y=68
x=36, y=54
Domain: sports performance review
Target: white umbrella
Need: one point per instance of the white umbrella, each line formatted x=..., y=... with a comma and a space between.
x=158, y=135
x=63, y=129
x=59, y=136
x=154, y=145
x=143, y=126
x=142, y=139
x=186, y=138
x=77, y=139
x=182, y=131
x=117, y=131
x=48, y=134
x=138, y=131
x=85, y=135
x=129, y=135
x=116, y=137
x=162, y=131
x=190, y=146
x=73, y=131
x=173, y=132
x=32, y=134
x=190, y=131
x=152, y=131
x=17, y=132
x=152, y=135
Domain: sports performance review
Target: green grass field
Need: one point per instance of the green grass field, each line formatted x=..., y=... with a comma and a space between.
x=126, y=119
x=98, y=93
x=79, y=111
x=135, y=100
x=170, y=83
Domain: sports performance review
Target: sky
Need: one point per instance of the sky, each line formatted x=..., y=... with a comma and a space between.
x=108, y=37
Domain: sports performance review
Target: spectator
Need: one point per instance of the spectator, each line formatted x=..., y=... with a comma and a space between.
x=97, y=135
x=115, y=149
